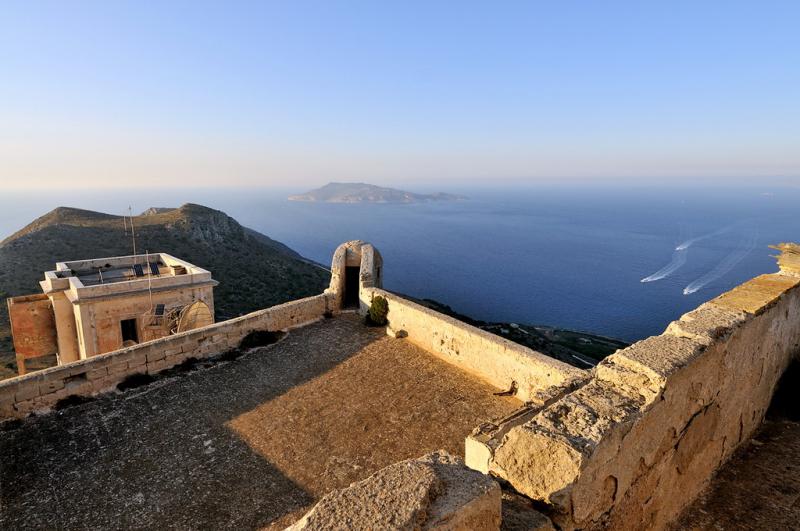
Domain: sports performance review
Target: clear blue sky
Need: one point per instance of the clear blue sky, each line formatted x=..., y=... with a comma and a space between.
x=305, y=92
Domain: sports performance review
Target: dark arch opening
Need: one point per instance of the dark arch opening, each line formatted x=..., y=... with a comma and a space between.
x=351, y=276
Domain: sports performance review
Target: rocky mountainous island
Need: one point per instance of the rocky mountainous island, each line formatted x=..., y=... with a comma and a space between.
x=254, y=270
x=368, y=193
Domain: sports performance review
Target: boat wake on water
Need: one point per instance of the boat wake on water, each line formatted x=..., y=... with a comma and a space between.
x=678, y=259
x=688, y=243
x=727, y=263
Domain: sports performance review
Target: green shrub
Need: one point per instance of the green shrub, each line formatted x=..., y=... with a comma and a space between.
x=377, y=311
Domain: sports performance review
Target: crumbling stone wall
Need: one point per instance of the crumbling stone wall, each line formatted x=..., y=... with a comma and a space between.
x=639, y=440
x=41, y=390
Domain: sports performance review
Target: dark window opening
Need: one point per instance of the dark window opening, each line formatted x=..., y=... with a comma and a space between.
x=129, y=331
x=351, y=274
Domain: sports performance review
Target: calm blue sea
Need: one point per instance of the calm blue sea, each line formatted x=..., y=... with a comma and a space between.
x=568, y=257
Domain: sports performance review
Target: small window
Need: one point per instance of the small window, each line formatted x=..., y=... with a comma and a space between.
x=129, y=331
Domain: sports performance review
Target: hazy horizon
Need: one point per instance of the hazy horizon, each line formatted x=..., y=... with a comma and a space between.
x=99, y=95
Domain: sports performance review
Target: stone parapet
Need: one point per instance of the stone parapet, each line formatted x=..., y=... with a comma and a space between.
x=529, y=375
x=41, y=390
x=637, y=443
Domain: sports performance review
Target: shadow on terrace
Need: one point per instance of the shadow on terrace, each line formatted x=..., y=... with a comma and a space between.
x=246, y=444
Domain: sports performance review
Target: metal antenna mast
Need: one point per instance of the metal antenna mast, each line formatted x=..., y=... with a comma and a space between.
x=133, y=234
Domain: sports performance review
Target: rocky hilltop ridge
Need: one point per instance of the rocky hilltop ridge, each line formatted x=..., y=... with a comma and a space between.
x=368, y=193
x=254, y=270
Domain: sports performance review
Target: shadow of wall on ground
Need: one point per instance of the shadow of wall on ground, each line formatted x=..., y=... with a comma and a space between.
x=159, y=455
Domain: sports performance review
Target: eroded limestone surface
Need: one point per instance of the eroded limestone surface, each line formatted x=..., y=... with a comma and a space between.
x=433, y=492
x=246, y=444
x=634, y=445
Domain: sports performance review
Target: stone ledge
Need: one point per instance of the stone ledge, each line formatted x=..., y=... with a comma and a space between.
x=544, y=457
x=435, y=491
x=707, y=324
x=656, y=358
x=497, y=360
x=758, y=294
x=481, y=444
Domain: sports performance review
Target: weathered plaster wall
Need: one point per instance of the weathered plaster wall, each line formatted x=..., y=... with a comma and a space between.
x=635, y=444
x=102, y=332
x=68, y=350
x=41, y=390
x=33, y=326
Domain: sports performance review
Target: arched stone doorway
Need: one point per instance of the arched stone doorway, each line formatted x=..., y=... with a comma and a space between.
x=355, y=263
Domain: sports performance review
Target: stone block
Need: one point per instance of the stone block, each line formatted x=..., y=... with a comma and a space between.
x=103, y=384
x=159, y=354
x=756, y=295
x=97, y=374
x=707, y=324
x=156, y=366
x=544, y=457
x=137, y=361
x=50, y=386
x=433, y=492
x=78, y=387
x=656, y=357
x=27, y=391
x=7, y=391
x=118, y=368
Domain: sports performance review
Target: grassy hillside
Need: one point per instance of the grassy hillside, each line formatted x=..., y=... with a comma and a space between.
x=254, y=271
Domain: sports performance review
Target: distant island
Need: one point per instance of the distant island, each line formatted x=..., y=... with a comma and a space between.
x=368, y=193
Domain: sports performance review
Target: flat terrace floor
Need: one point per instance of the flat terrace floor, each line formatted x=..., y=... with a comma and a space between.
x=246, y=444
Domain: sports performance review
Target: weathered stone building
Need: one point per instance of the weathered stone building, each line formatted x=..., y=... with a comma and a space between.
x=90, y=307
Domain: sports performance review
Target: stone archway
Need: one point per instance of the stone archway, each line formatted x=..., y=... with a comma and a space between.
x=355, y=264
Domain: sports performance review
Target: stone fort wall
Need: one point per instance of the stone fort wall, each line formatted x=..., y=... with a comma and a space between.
x=638, y=441
x=42, y=390
x=625, y=446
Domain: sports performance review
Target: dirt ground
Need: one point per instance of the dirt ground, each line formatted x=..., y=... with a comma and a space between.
x=245, y=444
